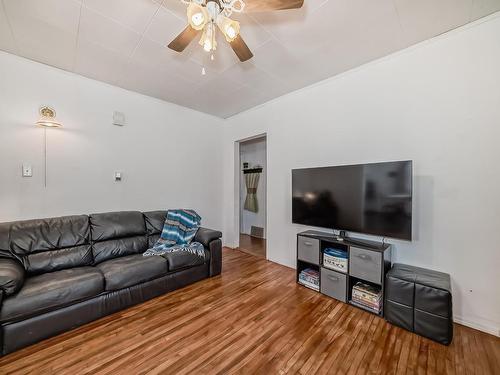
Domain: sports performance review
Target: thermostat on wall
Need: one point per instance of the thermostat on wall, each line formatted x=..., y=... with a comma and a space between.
x=118, y=118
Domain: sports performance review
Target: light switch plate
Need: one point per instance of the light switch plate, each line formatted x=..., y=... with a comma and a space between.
x=27, y=170
x=118, y=176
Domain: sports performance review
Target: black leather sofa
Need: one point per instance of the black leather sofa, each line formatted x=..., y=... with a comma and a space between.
x=59, y=273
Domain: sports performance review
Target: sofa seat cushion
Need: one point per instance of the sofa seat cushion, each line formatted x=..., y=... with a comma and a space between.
x=182, y=259
x=50, y=291
x=131, y=270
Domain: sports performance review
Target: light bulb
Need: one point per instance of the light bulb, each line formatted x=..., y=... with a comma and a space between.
x=230, y=32
x=207, y=45
x=197, y=19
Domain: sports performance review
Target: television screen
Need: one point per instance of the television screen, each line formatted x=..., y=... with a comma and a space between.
x=366, y=198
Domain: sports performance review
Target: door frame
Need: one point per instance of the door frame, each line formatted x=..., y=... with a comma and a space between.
x=237, y=185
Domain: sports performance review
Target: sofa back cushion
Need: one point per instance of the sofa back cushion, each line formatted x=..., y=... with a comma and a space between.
x=47, y=245
x=154, y=225
x=116, y=234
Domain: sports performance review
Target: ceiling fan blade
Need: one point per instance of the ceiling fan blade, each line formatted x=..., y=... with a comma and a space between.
x=241, y=49
x=268, y=5
x=180, y=43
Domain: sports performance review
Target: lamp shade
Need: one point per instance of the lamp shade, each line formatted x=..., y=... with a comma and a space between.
x=229, y=27
x=197, y=16
x=48, y=118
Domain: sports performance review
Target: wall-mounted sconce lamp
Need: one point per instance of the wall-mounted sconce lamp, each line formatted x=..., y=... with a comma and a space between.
x=47, y=120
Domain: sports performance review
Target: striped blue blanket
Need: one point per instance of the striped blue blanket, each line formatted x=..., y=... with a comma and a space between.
x=178, y=231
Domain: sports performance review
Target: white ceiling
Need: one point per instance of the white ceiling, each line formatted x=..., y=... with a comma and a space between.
x=124, y=43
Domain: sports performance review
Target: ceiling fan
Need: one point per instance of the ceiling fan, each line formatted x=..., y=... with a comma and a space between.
x=206, y=16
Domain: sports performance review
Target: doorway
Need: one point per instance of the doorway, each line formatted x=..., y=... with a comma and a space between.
x=252, y=196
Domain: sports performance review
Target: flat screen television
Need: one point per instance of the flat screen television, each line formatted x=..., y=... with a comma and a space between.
x=371, y=198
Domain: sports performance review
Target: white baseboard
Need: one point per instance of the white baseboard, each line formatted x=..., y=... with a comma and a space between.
x=488, y=328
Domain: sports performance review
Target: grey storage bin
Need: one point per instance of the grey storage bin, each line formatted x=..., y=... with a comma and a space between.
x=334, y=284
x=365, y=265
x=308, y=249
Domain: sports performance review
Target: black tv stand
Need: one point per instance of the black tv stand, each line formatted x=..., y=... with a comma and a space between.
x=368, y=262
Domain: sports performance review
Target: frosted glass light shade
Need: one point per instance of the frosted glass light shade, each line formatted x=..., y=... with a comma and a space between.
x=197, y=16
x=229, y=27
x=48, y=118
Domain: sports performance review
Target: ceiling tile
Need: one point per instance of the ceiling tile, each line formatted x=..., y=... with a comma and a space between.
x=217, y=85
x=216, y=94
x=97, y=62
x=61, y=14
x=241, y=100
x=135, y=17
x=40, y=36
x=313, y=27
x=161, y=83
x=98, y=29
x=275, y=59
x=158, y=56
x=39, y=47
x=176, y=7
x=482, y=8
x=251, y=31
x=250, y=75
x=287, y=25
x=164, y=27
x=354, y=38
x=6, y=38
x=425, y=19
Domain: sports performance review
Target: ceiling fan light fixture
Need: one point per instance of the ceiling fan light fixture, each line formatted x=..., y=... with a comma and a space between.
x=197, y=16
x=205, y=14
x=228, y=27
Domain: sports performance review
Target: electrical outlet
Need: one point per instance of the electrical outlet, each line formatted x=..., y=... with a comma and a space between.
x=118, y=176
x=27, y=170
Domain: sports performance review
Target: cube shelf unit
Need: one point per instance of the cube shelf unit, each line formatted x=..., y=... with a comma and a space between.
x=367, y=261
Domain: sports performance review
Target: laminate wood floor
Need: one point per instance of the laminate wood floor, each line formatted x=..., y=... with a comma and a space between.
x=253, y=318
x=253, y=245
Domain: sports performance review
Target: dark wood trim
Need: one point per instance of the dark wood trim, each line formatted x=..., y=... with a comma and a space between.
x=252, y=170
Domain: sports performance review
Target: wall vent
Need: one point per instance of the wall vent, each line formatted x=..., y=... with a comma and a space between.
x=257, y=232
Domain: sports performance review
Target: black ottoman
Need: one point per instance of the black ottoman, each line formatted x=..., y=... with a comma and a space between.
x=419, y=300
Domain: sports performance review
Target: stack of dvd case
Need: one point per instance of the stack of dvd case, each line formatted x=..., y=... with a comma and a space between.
x=309, y=277
x=368, y=296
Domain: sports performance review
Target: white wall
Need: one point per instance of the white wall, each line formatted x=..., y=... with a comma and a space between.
x=169, y=155
x=438, y=104
x=253, y=152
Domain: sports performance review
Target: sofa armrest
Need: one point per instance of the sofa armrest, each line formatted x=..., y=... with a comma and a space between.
x=205, y=236
x=11, y=276
x=211, y=240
